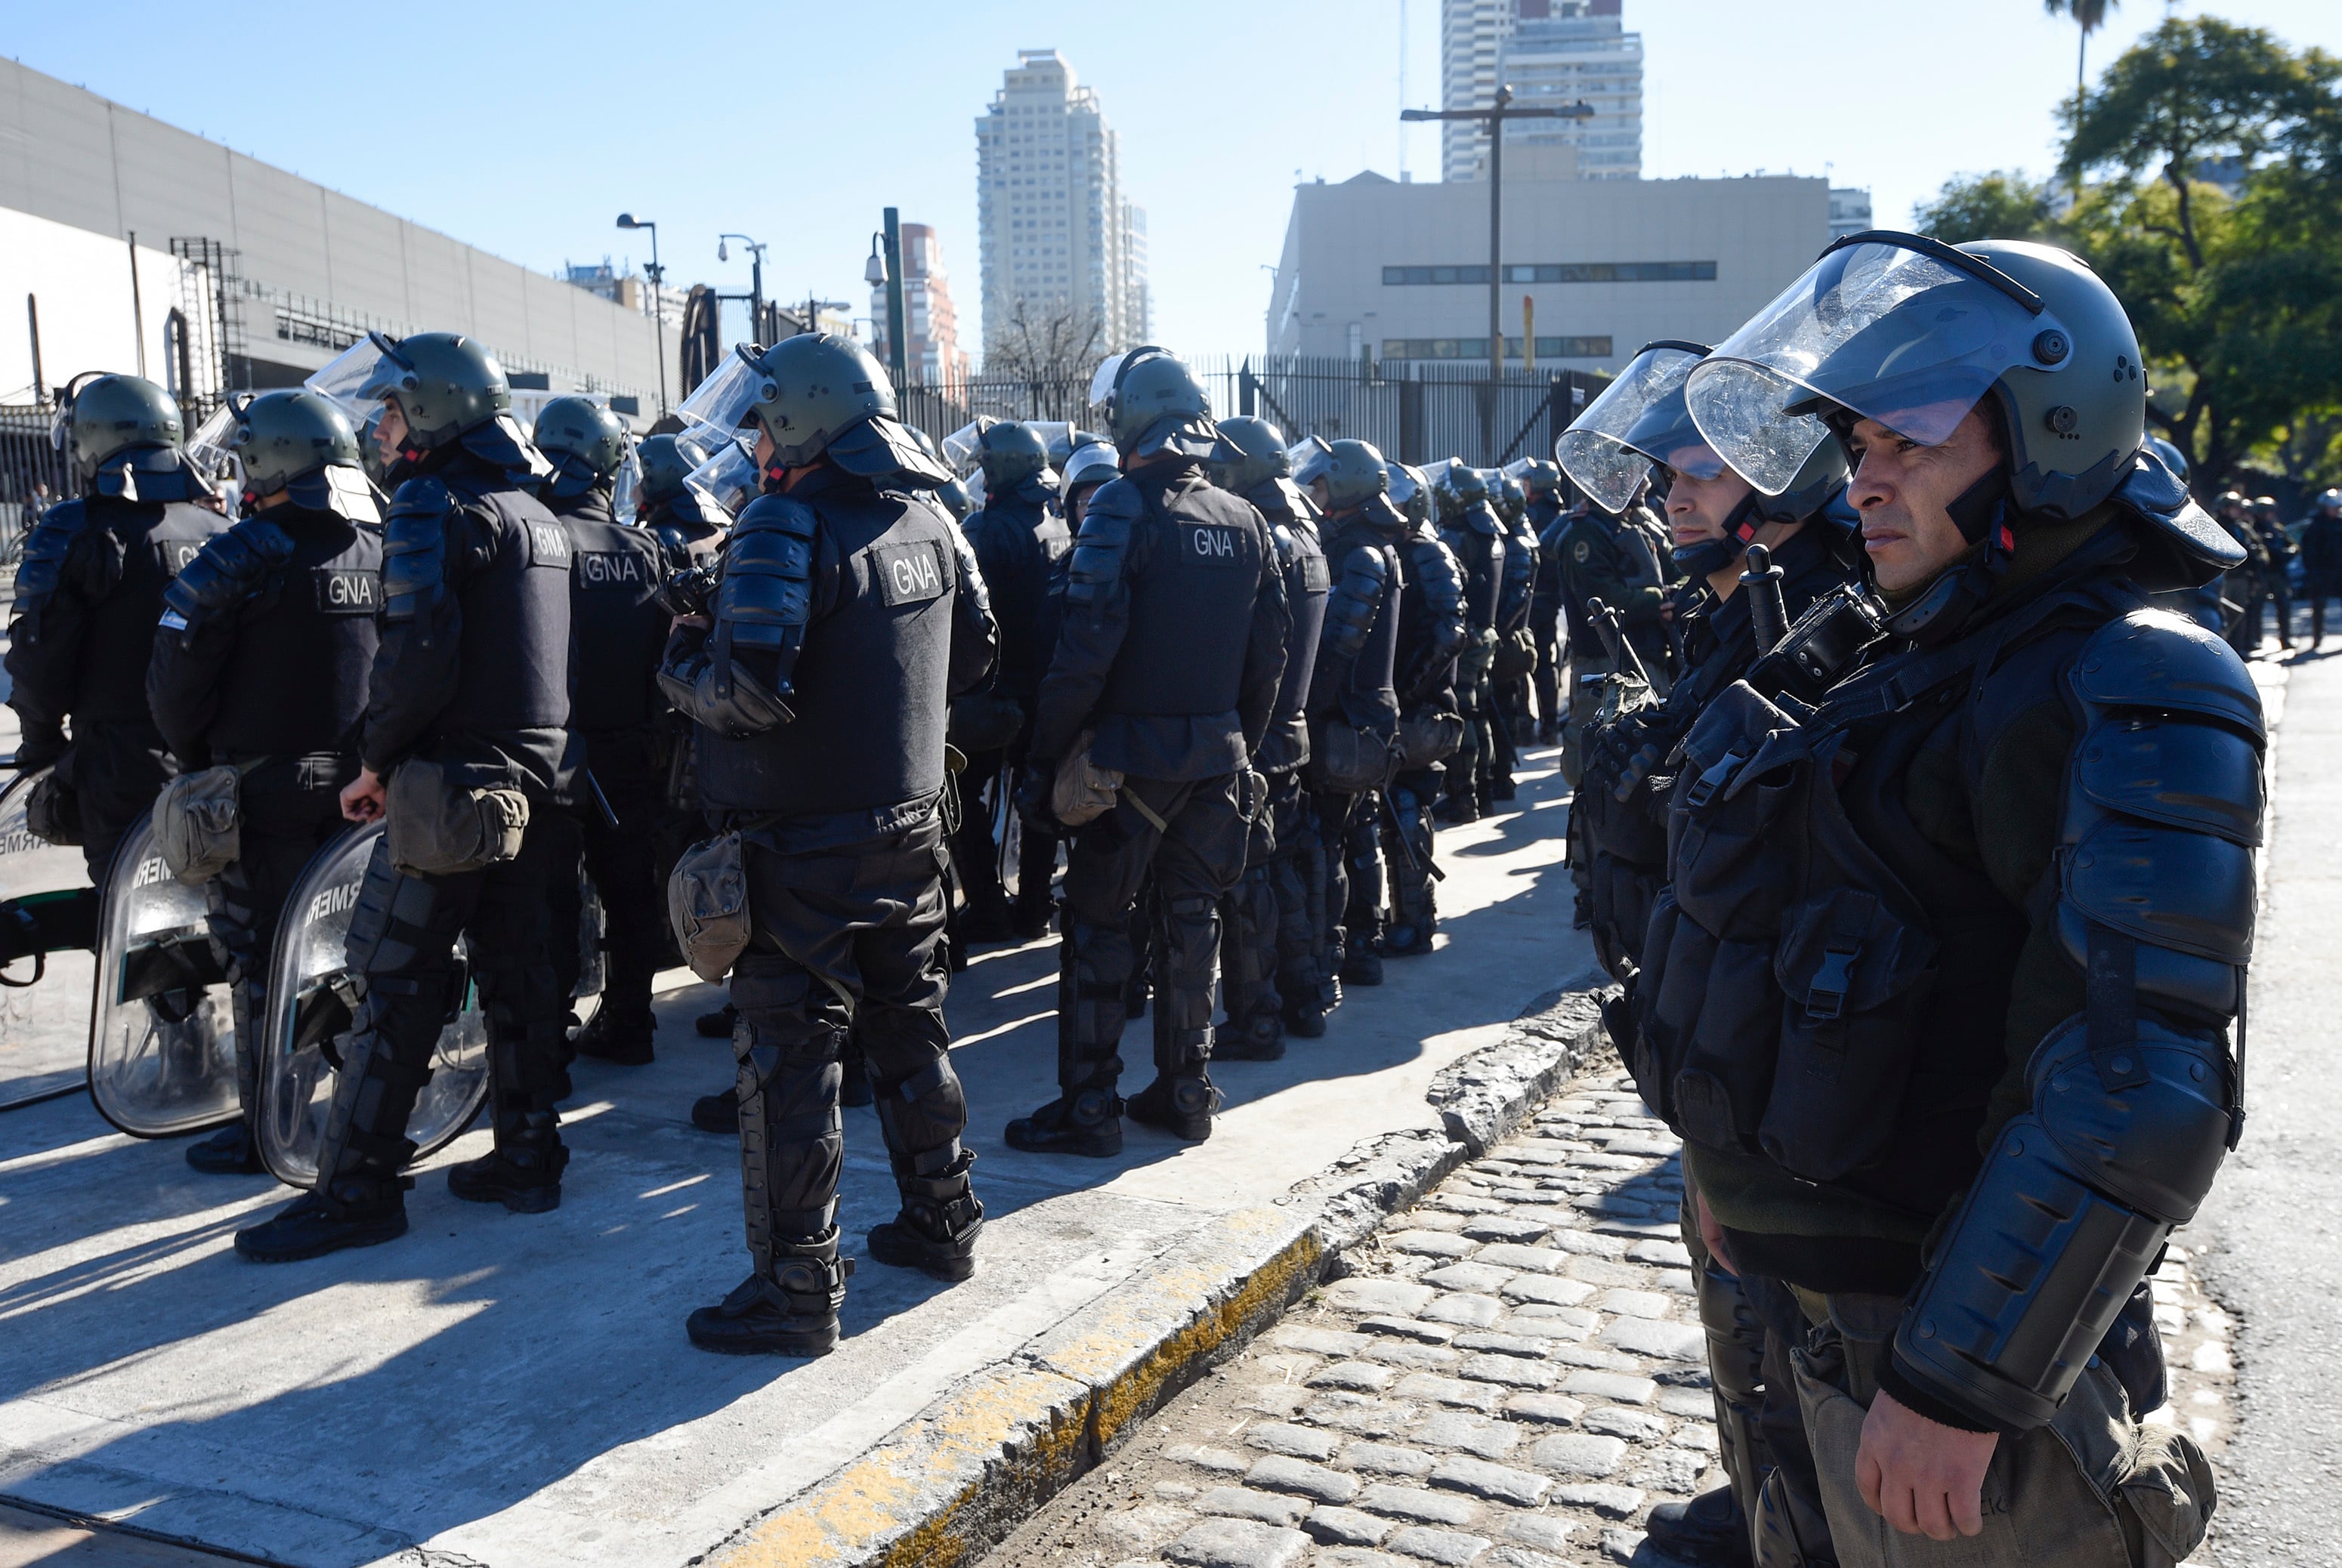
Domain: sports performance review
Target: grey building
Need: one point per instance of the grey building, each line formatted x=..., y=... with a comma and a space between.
x=249, y=277
x=1393, y=271
x=1553, y=53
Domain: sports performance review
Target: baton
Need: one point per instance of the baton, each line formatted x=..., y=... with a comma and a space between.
x=601, y=801
x=1768, y=612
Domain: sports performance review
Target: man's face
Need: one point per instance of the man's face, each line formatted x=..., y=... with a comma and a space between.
x=1322, y=496
x=1905, y=490
x=390, y=432
x=764, y=448
x=1075, y=501
x=1698, y=508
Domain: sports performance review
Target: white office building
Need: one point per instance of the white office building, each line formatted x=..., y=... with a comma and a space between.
x=1553, y=53
x=1849, y=210
x=1056, y=237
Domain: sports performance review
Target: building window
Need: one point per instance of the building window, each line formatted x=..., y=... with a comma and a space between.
x=1478, y=348
x=1557, y=272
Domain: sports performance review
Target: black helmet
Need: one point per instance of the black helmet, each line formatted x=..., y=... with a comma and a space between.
x=818, y=395
x=445, y=385
x=1092, y=463
x=2228, y=498
x=300, y=442
x=1011, y=454
x=667, y=461
x=101, y=417
x=1154, y=403
x=1512, y=498
x=586, y=441
x=1541, y=477
x=1259, y=454
x=1353, y=473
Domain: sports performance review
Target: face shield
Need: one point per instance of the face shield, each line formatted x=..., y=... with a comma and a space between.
x=1403, y=486
x=1597, y=451
x=1310, y=457
x=212, y=448
x=961, y=447
x=727, y=480
x=360, y=378
x=626, y=484
x=718, y=406
x=1102, y=383
x=1910, y=337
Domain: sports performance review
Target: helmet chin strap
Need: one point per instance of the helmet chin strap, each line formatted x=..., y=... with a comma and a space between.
x=1712, y=555
x=1981, y=512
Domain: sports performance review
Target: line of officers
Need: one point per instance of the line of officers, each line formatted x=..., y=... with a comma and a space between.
x=1237, y=681
x=2272, y=551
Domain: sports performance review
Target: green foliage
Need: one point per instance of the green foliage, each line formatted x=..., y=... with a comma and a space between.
x=2003, y=204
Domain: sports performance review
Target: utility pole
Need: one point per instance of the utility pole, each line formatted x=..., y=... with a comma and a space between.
x=658, y=299
x=1494, y=117
x=899, y=330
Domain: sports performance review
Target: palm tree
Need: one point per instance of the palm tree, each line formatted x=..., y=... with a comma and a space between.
x=2088, y=15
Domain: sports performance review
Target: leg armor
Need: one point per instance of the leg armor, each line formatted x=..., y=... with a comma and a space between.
x=1094, y=967
x=527, y=1010
x=1187, y=940
x=1413, y=911
x=1248, y=955
x=791, y=1033
x=1362, y=913
x=1296, y=876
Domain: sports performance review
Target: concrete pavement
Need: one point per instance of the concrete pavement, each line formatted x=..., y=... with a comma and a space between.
x=513, y=1391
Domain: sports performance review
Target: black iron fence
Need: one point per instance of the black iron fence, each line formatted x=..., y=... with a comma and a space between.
x=34, y=474
x=1416, y=411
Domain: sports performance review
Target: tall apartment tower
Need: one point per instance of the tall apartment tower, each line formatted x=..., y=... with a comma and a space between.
x=1056, y=232
x=932, y=353
x=1552, y=52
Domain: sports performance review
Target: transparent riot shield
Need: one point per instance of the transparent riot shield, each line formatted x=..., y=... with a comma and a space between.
x=311, y=999
x=162, y=1038
x=48, y=926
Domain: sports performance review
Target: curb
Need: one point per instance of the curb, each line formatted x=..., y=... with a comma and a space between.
x=951, y=1482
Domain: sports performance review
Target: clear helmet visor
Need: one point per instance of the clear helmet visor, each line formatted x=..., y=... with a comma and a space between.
x=720, y=406
x=961, y=446
x=360, y=377
x=1403, y=486
x=726, y=479
x=626, y=484
x=1310, y=457
x=1092, y=463
x=1892, y=335
x=212, y=448
x=1102, y=383
x=1595, y=451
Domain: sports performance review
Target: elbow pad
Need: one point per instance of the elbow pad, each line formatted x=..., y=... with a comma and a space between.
x=764, y=600
x=228, y=571
x=414, y=549
x=736, y=706
x=43, y=567
x=972, y=591
x=1101, y=551
x=1350, y=612
x=2136, y=1101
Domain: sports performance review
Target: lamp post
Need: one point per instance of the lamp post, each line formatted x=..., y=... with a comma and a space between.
x=658, y=301
x=755, y=280
x=899, y=336
x=1494, y=117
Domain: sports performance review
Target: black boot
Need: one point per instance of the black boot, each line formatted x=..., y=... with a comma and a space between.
x=717, y=1025
x=984, y=928
x=1182, y=1107
x=718, y=1113
x=936, y=1230
x=230, y=1152
x=1363, y=967
x=1029, y=917
x=522, y=1172
x=1709, y=1530
x=1089, y=1123
x=1258, y=1037
x=793, y=1313
x=620, y=1035
x=355, y=1213
x=1405, y=939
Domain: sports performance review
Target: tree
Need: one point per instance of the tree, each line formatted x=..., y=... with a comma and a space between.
x=2003, y=204
x=1052, y=341
x=2088, y=15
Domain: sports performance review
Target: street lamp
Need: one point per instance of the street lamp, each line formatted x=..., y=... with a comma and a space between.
x=755, y=280
x=658, y=304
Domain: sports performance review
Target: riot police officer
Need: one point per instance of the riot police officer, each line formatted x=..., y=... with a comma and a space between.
x=1515, y=659
x=2321, y=560
x=466, y=740
x=88, y=596
x=260, y=665
x=1431, y=634
x=1019, y=539
x=2277, y=587
x=689, y=526
x=1165, y=679
x=849, y=612
x=609, y=819
x=1269, y=913
x=1475, y=537
x=1541, y=480
x=1606, y=555
x=1994, y=955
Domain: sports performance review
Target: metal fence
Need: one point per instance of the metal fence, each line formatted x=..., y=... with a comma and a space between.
x=1415, y=412
x=34, y=474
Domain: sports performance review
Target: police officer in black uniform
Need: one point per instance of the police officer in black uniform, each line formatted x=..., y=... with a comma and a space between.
x=849, y=611
x=688, y=525
x=1940, y=993
x=1166, y=674
x=1019, y=539
x=1541, y=480
x=1516, y=654
x=1431, y=634
x=1269, y=910
x=1607, y=554
x=89, y=592
x=466, y=739
x=609, y=819
x=1470, y=529
x=261, y=661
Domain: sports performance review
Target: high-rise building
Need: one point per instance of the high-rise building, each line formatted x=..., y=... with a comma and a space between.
x=1552, y=53
x=1849, y=210
x=1055, y=230
x=932, y=353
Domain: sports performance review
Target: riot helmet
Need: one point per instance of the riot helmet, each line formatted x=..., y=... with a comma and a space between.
x=1014, y=455
x=1093, y=463
x=1607, y=451
x=103, y=418
x=2229, y=500
x=1153, y=404
x=2330, y=502
x=1512, y=498
x=1410, y=492
x=301, y=443
x=586, y=443
x=667, y=461
x=1260, y=453
x=1541, y=479
x=815, y=396
x=1351, y=471
x=443, y=384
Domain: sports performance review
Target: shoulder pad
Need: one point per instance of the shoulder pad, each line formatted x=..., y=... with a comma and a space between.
x=229, y=570
x=971, y=576
x=765, y=596
x=1098, y=550
x=45, y=553
x=1480, y=520
x=778, y=514
x=1117, y=500
x=2157, y=660
x=1363, y=563
x=2160, y=499
x=415, y=546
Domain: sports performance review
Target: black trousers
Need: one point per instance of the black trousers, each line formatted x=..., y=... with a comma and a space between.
x=1248, y=923
x=1194, y=861
x=623, y=863
x=1339, y=817
x=289, y=810
x=848, y=938
x=116, y=770
x=1413, y=909
x=402, y=942
x=989, y=778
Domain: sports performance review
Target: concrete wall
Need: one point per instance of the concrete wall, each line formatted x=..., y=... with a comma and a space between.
x=76, y=159
x=82, y=283
x=1759, y=231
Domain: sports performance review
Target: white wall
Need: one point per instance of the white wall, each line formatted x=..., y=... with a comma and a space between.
x=82, y=282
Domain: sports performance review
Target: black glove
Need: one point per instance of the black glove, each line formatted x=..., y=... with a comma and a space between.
x=1033, y=793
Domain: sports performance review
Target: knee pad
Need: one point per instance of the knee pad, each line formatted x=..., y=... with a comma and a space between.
x=923, y=1116
x=390, y=926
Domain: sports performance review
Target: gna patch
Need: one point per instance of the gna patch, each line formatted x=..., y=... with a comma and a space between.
x=611, y=569
x=347, y=593
x=909, y=573
x=548, y=544
x=1210, y=544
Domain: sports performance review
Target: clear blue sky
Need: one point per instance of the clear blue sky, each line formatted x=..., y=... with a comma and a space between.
x=797, y=123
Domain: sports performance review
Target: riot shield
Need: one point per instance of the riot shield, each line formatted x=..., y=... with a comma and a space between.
x=311, y=999
x=48, y=926
x=161, y=1036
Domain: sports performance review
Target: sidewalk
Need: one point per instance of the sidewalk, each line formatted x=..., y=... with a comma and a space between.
x=514, y=1391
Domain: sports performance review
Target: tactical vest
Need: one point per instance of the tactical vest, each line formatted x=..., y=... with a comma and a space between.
x=515, y=610
x=1817, y=976
x=151, y=543
x=1367, y=692
x=1192, y=569
x=1287, y=745
x=1017, y=545
x=872, y=681
x=618, y=628
x=304, y=645
x=1519, y=577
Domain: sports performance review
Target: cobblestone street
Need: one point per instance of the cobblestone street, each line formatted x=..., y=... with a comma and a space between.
x=1510, y=1376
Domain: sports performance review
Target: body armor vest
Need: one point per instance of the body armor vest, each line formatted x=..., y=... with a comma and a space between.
x=150, y=542
x=618, y=628
x=1286, y=745
x=304, y=645
x=1193, y=569
x=1366, y=691
x=515, y=643
x=1480, y=553
x=1019, y=543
